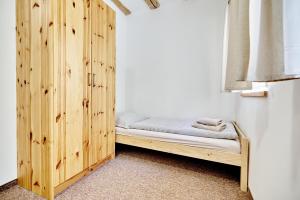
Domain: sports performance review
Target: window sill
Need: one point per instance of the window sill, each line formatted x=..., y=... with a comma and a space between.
x=255, y=94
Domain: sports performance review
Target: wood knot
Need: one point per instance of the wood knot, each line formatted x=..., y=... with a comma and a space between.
x=87, y=143
x=73, y=31
x=58, y=164
x=21, y=163
x=35, y=5
x=36, y=184
x=44, y=140
x=58, y=118
x=50, y=24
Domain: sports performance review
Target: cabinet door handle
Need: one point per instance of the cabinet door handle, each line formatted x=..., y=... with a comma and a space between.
x=94, y=76
x=89, y=79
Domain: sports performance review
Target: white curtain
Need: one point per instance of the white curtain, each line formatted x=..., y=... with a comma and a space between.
x=273, y=27
x=236, y=46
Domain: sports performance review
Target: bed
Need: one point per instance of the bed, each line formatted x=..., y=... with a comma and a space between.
x=233, y=151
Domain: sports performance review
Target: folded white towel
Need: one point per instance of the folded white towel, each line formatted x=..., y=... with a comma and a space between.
x=218, y=128
x=210, y=121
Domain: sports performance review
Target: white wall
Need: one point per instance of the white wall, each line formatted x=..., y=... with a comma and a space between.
x=8, y=155
x=174, y=60
x=173, y=68
x=272, y=124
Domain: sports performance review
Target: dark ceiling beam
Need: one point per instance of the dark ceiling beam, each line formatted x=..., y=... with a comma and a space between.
x=121, y=6
x=153, y=4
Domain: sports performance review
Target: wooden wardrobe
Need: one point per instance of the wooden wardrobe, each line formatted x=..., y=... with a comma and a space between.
x=65, y=91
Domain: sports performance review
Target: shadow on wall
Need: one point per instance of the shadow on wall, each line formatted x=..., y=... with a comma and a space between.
x=296, y=136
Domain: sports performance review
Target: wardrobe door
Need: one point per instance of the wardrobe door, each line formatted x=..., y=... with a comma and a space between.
x=98, y=148
x=110, y=77
x=72, y=89
x=75, y=92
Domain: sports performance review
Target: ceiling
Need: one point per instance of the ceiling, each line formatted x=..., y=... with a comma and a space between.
x=137, y=6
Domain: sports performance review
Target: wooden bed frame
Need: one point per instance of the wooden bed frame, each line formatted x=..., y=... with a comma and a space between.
x=220, y=156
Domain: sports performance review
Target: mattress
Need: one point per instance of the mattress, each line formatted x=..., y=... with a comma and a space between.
x=183, y=127
x=193, y=141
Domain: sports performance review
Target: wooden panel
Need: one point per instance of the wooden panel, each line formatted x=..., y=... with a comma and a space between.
x=71, y=82
x=59, y=94
x=220, y=156
x=60, y=188
x=255, y=94
x=47, y=116
x=36, y=94
x=87, y=89
x=94, y=140
x=23, y=93
x=121, y=6
x=244, y=159
x=111, y=69
x=103, y=82
x=98, y=137
x=53, y=97
x=74, y=86
x=153, y=4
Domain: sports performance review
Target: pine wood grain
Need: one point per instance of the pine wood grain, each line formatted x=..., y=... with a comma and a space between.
x=153, y=4
x=122, y=7
x=255, y=94
x=47, y=99
x=23, y=112
x=74, y=86
x=87, y=109
x=244, y=159
x=222, y=156
x=59, y=94
x=111, y=66
x=54, y=99
x=36, y=95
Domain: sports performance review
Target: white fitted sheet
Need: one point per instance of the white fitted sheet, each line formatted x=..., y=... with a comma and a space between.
x=210, y=143
x=182, y=127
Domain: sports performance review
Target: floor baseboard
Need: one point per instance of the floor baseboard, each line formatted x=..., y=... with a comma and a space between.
x=250, y=194
x=8, y=185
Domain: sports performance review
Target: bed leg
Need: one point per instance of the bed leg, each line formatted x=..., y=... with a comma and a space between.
x=244, y=165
